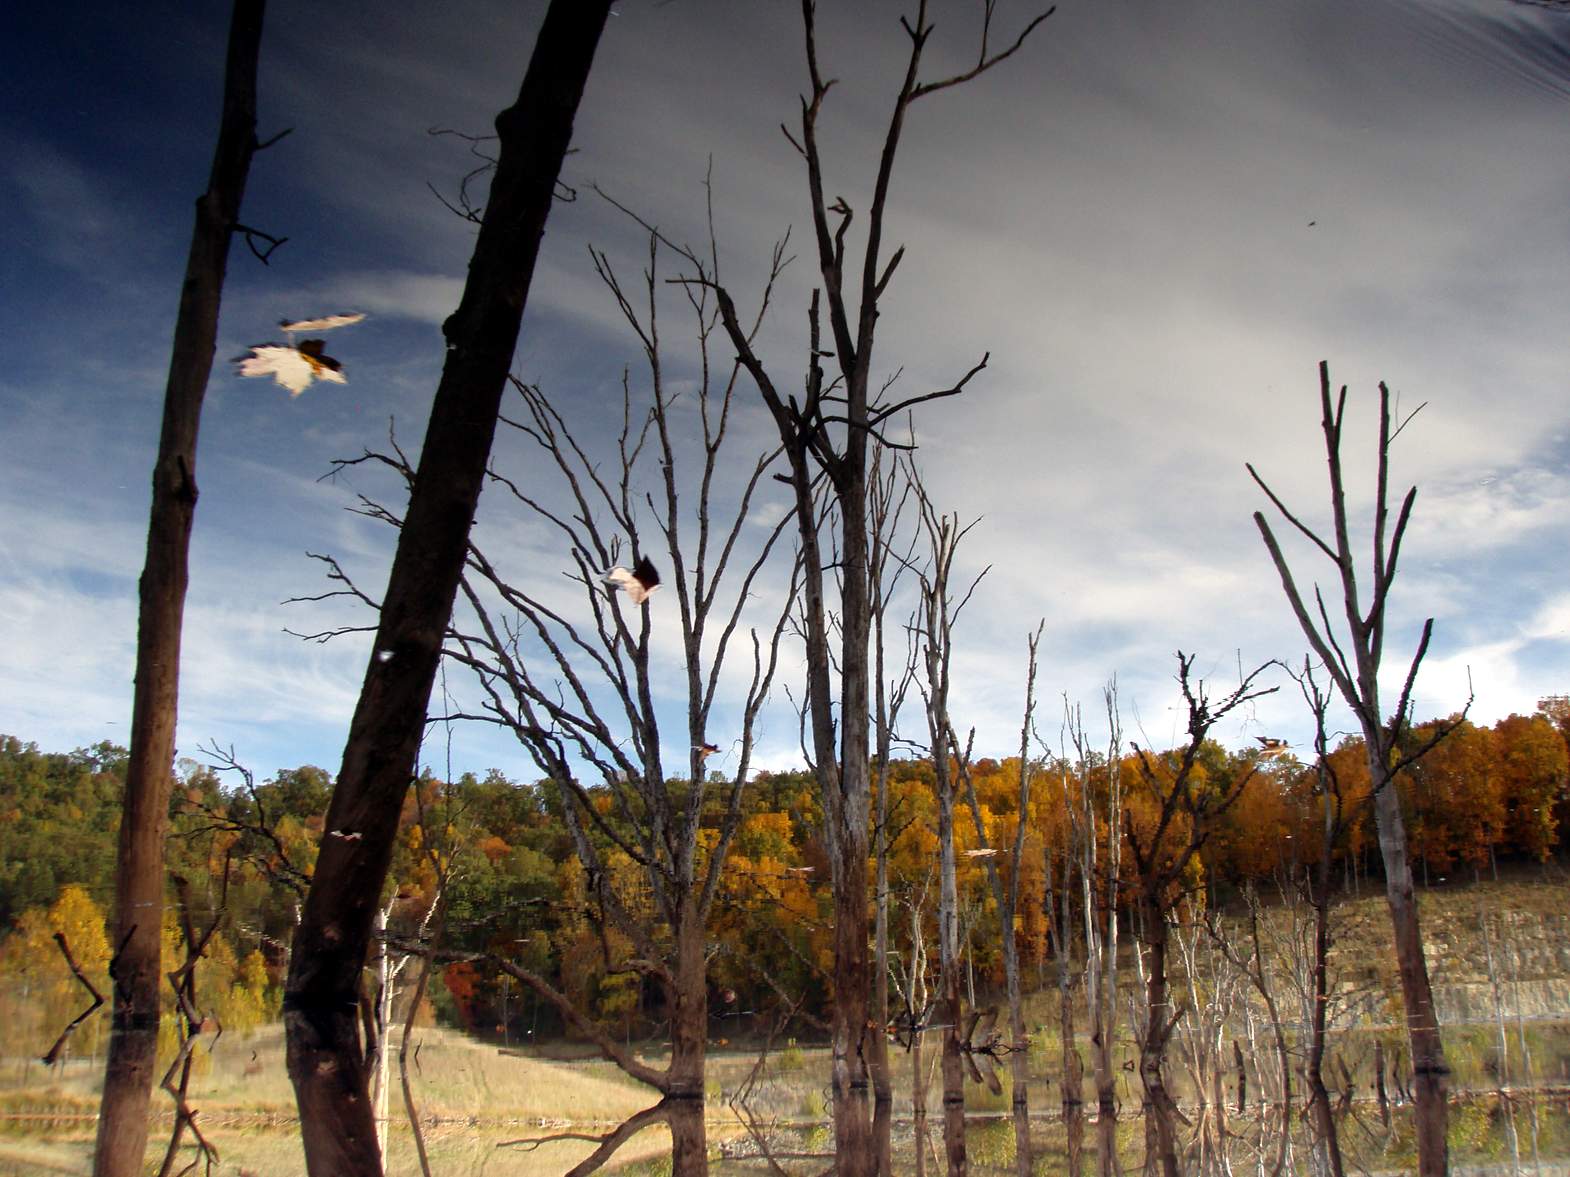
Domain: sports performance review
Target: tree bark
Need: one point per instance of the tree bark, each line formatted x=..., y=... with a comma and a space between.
x=1073, y=1080
x=1318, y=1094
x=1160, y=1107
x=139, y=871
x=326, y=1063
x=690, y=1017
x=1430, y=1072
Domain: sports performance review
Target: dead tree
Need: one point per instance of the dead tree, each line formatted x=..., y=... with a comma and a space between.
x=938, y=613
x=1186, y=809
x=139, y=870
x=887, y=496
x=1006, y=896
x=828, y=430
x=193, y=1023
x=1352, y=663
x=909, y=1028
x=1253, y=966
x=1318, y=888
x=1059, y=910
x=1214, y=986
x=322, y=994
x=1101, y=897
x=577, y=684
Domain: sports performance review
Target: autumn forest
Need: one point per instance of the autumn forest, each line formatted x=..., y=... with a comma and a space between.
x=1484, y=796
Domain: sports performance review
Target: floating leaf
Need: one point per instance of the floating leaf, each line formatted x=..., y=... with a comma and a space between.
x=293, y=367
x=325, y=323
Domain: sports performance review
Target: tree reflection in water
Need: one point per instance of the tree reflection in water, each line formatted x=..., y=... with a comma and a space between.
x=689, y=1151
x=683, y=1116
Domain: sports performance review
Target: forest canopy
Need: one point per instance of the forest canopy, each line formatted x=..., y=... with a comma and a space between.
x=1483, y=795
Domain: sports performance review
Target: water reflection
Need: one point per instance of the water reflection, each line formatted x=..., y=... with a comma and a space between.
x=684, y=1118
x=885, y=1140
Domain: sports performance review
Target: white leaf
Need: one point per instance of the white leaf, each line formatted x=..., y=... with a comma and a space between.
x=325, y=323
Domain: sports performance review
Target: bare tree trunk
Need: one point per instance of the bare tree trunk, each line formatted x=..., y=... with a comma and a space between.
x=1059, y=923
x=139, y=870
x=1506, y=1102
x=883, y=1136
x=690, y=1019
x=888, y=697
x=882, y=1082
x=1357, y=679
x=1073, y=1079
x=950, y=1007
x=1161, y=854
x=689, y=1142
x=382, y=1087
x=1160, y=1107
x=919, y=1105
x=938, y=612
x=1007, y=897
x=834, y=440
x=1430, y=1072
x=1324, y=1119
x=322, y=993
x=1101, y=925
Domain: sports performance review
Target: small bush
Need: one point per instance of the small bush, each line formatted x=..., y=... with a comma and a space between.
x=813, y=1106
x=791, y=1058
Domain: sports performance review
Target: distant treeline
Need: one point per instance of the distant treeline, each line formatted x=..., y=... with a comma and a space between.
x=516, y=887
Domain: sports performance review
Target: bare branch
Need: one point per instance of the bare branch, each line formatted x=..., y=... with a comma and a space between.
x=52, y=1055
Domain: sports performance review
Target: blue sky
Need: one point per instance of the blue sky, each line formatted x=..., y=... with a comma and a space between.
x=1157, y=220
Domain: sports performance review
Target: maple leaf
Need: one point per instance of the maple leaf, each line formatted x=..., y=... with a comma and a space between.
x=293, y=367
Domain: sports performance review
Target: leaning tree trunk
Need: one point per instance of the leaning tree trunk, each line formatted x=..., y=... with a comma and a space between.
x=139, y=870
x=326, y=1063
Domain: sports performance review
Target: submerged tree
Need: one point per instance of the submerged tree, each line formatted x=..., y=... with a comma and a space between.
x=1315, y=883
x=139, y=879
x=323, y=993
x=1092, y=821
x=827, y=432
x=935, y=633
x=1006, y=894
x=1353, y=663
x=578, y=684
x=1181, y=806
